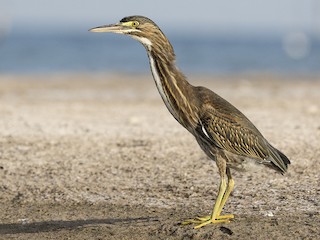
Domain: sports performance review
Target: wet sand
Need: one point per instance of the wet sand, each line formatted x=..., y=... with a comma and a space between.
x=100, y=157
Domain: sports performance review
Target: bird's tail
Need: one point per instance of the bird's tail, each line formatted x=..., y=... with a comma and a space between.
x=279, y=161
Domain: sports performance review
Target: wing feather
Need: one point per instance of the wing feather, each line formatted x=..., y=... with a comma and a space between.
x=230, y=135
x=225, y=127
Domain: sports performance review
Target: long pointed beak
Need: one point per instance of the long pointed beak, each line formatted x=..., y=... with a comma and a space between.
x=115, y=28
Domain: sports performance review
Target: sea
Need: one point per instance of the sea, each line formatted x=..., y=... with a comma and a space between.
x=56, y=52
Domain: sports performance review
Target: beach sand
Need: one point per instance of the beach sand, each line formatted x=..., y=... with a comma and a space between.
x=100, y=157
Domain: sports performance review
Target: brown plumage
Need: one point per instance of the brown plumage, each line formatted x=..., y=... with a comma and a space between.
x=222, y=131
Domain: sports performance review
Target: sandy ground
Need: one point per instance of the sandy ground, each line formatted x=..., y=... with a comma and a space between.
x=99, y=157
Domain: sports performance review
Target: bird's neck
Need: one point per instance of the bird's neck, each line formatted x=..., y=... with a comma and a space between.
x=174, y=89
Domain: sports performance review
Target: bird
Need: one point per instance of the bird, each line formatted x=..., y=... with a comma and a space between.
x=224, y=133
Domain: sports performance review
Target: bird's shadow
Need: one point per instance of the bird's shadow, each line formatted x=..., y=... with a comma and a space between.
x=51, y=226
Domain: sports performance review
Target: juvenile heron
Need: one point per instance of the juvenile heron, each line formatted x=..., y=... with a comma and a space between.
x=221, y=130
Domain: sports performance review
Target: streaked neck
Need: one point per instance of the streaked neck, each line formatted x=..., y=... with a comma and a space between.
x=172, y=85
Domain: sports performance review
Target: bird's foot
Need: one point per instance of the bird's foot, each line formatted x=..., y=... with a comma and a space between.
x=203, y=221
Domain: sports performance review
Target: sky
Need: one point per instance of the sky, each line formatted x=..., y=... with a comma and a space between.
x=295, y=24
x=206, y=16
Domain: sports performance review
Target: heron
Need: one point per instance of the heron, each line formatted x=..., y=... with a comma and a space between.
x=225, y=134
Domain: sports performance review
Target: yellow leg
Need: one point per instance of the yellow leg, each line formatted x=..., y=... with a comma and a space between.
x=227, y=192
x=215, y=217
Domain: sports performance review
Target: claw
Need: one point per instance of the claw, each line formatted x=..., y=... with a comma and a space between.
x=203, y=221
x=196, y=220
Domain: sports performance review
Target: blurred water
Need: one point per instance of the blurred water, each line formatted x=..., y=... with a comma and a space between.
x=70, y=52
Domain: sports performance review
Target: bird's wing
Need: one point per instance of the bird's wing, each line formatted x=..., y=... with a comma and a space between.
x=228, y=133
x=224, y=126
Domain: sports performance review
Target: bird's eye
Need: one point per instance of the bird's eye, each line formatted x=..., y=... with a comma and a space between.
x=135, y=24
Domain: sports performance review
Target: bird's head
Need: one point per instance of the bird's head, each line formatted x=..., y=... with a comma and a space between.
x=138, y=27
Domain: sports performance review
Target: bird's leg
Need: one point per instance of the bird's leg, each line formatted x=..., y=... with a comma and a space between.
x=229, y=189
x=223, y=194
x=214, y=217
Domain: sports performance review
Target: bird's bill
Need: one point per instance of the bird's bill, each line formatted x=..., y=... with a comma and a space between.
x=116, y=28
